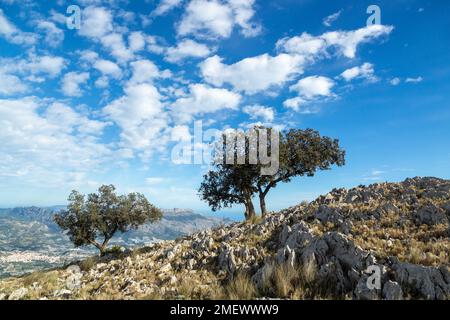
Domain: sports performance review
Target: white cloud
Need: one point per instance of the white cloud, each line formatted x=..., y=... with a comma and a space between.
x=97, y=22
x=180, y=133
x=295, y=103
x=48, y=143
x=414, y=80
x=12, y=34
x=203, y=99
x=395, y=81
x=364, y=71
x=144, y=71
x=257, y=111
x=185, y=49
x=309, y=89
x=88, y=56
x=140, y=116
x=10, y=85
x=72, y=82
x=108, y=68
x=313, y=86
x=34, y=65
x=252, y=75
x=305, y=45
x=54, y=36
x=216, y=19
x=243, y=14
x=328, y=21
x=346, y=42
x=165, y=6
x=207, y=15
x=136, y=41
x=114, y=42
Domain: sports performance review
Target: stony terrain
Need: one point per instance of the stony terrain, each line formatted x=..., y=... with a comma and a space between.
x=323, y=250
x=31, y=241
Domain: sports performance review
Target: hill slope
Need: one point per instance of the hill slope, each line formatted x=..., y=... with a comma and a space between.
x=30, y=240
x=325, y=249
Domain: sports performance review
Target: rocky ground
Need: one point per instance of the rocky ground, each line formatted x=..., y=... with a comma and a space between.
x=30, y=240
x=327, y=249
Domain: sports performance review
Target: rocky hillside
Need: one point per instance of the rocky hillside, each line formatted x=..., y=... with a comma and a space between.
x=325, y=249
x=31, y=241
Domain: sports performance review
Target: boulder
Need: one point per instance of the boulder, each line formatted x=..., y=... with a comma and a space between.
x=421, y=281
x=392, y=291
x=19, y=294
x=431, y=215
x=363, y=292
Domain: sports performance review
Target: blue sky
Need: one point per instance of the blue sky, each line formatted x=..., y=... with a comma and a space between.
x=107, y=103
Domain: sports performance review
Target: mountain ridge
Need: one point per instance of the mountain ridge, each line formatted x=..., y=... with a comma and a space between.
x=321, y=250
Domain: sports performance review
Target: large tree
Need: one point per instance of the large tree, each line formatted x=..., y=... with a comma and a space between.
x=301, y=153
x=95, y=220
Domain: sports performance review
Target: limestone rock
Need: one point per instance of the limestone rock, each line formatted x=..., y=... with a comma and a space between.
x=431, y=215
x=392, y=291
x=428, y=282
x=18, y=294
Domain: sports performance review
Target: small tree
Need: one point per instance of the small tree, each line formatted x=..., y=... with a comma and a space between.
x=95, y=220
x=301, y=153
x=229, y=185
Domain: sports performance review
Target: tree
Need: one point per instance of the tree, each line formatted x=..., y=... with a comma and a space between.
x=229, y=185
x=95, y=220
x=301, y=153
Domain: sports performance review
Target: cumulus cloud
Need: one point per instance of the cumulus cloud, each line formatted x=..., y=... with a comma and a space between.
x=252, y=75
x=365, y=71
x=395, y=81
x=145, y=71
x=165, y=6
x=71, y=83
x=47, y=65
x=11, y=84
x=345, y=42
x=187, y=49
x=136, y=41
x=256, y=111
x=203, y=99
x=216, y=19
x=97, y=22
x=108, y=68
x=140, y=115
x=54, y=36
x=12, y=34
x=48, y=143
x=309, y=89
x=313, y=86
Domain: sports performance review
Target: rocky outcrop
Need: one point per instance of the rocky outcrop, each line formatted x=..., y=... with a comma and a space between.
x=385, y=241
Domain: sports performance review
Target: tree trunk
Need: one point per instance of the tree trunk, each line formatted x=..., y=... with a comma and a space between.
x=249, y=209
x=104, y=247
x=262, y=204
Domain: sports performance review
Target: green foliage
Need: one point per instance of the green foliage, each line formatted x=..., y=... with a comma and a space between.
x=301, y=153
x=103, y=214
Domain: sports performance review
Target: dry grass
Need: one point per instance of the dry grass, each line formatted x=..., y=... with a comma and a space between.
x=240, y=287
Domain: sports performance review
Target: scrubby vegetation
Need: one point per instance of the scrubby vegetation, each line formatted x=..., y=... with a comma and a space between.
x=320, y=250
x=102, y=215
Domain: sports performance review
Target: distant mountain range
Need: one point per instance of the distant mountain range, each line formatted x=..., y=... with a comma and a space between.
x=30, y=240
